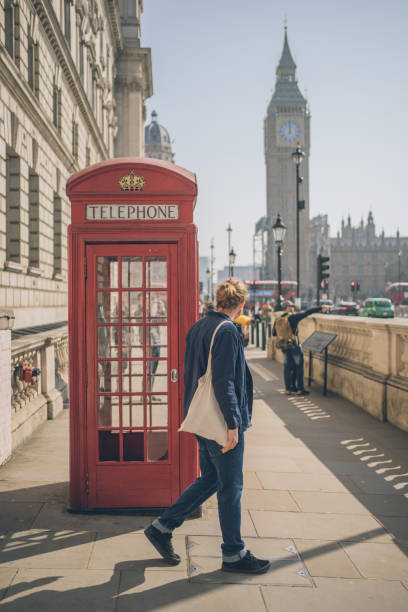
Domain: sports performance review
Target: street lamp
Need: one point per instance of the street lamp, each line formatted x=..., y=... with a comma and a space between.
x=279, y=231
x=232, y=255
x=297, y=157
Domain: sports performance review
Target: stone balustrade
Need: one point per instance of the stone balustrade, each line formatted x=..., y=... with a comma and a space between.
x=367, y=364
x=34, y=403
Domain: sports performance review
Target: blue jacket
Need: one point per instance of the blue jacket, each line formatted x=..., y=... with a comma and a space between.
x=231, y=378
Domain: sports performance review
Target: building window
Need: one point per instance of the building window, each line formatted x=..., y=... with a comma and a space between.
x=33, y=66
x=34, y=220
x=67, y=21
x=74, y=138
x=81, y=61
x=57, y=235
x=11, y=29
x=13, y=224
x=94, y=91
x=56, y=107
x=88, y=156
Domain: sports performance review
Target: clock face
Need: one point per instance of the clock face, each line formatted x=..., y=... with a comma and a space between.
x=290, y=131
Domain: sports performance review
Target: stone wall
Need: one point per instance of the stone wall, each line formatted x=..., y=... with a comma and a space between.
x=368, y=362
x=5, y=396
x=32, y=403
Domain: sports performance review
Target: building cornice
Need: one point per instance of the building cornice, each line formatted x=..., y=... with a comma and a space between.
x=112, y=9
x=51, y=26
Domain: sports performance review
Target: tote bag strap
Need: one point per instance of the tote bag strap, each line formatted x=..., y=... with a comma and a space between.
x=211, y=345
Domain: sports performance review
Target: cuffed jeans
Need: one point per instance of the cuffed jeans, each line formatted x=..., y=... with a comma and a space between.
x=220, y=473
x=293, y=361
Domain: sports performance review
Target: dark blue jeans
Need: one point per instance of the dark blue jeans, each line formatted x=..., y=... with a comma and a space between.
x=221, y=473
x=293, y=365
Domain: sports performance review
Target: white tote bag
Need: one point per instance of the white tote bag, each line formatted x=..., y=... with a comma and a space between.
x=204, y=416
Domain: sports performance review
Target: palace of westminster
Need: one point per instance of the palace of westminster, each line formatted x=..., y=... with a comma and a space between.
x=73, y=83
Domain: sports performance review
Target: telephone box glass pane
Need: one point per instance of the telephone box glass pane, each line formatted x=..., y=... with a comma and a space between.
x=132, y=376
x=108, y=376
x=132, y=306
x=157, y=412
x=108, y=306
x=156, y=272
x=108, y=411
x=132, y=341
x=157, y=445
x=156, y=305
x=133, y=446
x=132, y=411
x=156, y=376
x=107, y=272
x=132, y=272
x=108, y=340
x=156, y=339
x=108, y=445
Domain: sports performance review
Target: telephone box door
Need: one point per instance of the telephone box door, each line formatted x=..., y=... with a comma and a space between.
x=133, y=403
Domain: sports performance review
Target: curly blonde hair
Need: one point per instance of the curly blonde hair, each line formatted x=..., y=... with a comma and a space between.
x=230, y=294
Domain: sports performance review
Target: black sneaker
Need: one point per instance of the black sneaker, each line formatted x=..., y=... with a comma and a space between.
x=247, y=565
x=302, y=392
x=163, y=544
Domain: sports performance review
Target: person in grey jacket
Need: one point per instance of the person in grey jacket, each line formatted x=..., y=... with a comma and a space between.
x=221, y=467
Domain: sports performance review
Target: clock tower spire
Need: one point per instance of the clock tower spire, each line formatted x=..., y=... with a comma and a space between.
x=287, y=123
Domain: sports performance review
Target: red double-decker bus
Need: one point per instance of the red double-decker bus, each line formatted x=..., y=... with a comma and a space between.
x=397, y=293
x=261, y=291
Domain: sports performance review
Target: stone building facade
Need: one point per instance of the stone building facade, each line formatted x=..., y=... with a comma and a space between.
x=359, y=254
x=157, y=141
x=61, y=109
x=287, y=123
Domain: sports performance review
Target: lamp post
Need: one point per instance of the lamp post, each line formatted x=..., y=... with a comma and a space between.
x=232, y=255
x=208, y=272
x=279, y=231
x=212, y=261
x=229, y=230
x=399, y=267
x=297, y=157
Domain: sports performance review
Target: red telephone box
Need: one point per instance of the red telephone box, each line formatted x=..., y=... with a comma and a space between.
x=133, y=294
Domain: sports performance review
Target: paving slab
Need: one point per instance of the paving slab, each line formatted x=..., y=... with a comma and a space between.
x=209, y=524
x=165, y=592
x=6, y=577
x=312, y=525
x=251, y=480
x=333, y=503
x=283, y=549
x=326, y=558
x=303, y=482
x=56, y=517
x=108, y=550
x=45, y=549
x=273, y=464
x=61, y=590
x=291, y=573
x=338, y=595
x=31, y=491
x=378, y=485
x=379, y=560
x=386, y=505
x=15, y=516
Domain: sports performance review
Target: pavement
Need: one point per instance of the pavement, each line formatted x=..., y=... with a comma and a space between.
x=325, y=498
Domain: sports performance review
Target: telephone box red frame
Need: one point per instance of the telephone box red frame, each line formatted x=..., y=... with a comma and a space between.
x=160, y=183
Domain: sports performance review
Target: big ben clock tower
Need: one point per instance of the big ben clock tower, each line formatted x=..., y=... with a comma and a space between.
x=287, y=123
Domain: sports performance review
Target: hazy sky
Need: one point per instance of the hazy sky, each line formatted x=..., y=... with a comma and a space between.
x=214, y=66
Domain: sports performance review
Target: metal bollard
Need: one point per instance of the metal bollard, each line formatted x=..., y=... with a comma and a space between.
x=269, y=329
x=257, y=334
x=252, y=332
x=263, y=335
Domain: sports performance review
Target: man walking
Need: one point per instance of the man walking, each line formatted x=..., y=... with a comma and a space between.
x=291, y=348
x=221, y=468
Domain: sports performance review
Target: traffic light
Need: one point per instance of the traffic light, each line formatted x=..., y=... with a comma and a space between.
x=358, y=286
x=322, y=268
x=353, y=286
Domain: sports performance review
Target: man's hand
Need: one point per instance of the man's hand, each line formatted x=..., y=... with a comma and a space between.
x=232, y=440
x=326, y=308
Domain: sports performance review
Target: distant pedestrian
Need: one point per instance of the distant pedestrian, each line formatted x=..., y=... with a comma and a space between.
x=286, y=330
x=221, y=467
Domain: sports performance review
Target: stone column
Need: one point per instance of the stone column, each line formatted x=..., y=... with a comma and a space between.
x=6, y=322
x=133, y=85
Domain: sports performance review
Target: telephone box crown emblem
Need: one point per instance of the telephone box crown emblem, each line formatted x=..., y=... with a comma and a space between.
x=132, y=182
